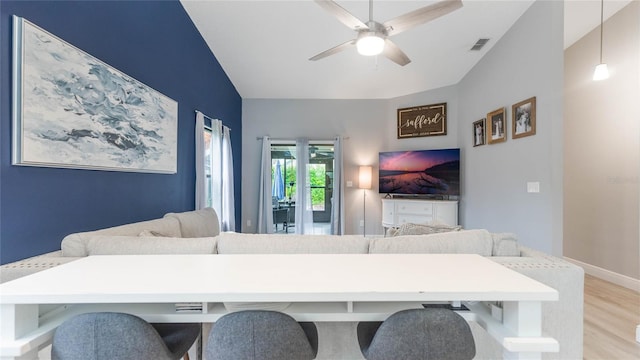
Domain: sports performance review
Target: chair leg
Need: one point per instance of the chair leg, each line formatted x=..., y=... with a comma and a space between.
x=186, y=356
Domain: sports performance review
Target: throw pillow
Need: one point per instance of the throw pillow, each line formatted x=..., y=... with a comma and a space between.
x=391, y=232
x=424, y=229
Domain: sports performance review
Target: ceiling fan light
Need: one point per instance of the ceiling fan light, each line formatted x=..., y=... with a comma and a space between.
x=601, y=72
x=370, y=44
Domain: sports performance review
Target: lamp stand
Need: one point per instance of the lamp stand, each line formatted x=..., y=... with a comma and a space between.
x=364, y=212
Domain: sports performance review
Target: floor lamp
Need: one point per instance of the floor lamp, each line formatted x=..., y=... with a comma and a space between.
x=364, y=183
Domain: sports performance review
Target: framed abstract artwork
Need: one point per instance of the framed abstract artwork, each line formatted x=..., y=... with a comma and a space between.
x=71, y=110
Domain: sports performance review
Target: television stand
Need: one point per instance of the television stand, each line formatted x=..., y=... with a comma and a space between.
x=398, y=211
x=420, y=197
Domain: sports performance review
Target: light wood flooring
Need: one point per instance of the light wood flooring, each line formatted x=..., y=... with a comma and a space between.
x=611, y=315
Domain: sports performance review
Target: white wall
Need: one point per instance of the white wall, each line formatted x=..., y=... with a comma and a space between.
x=602, y=147
x=526, y=62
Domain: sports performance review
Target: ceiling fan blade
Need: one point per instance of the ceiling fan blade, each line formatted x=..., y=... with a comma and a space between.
x=421, y=16
x=393, y=53
x=341, y=14
x=334, y=50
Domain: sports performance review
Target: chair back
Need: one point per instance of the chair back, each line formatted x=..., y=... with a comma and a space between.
x=107, y=336
x=259, y=334
x=418, y=334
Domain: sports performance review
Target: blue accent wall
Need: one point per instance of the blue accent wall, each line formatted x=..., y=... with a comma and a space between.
x=152, y=41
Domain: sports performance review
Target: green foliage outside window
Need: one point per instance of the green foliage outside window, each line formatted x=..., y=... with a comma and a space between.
x=317, y=178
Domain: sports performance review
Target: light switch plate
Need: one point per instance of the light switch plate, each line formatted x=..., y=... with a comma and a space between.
x=533, y=187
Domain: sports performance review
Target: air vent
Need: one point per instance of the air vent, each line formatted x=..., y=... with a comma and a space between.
x=479, y=44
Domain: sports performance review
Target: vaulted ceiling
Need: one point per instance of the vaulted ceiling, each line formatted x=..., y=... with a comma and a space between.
x=264, y=45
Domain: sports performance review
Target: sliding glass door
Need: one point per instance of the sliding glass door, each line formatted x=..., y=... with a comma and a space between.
x=285, y=185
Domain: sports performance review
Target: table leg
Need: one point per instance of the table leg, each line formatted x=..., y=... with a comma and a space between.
x=17, y=321
x=524, y=318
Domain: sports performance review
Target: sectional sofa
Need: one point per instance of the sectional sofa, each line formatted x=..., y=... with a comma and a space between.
x=197, y=232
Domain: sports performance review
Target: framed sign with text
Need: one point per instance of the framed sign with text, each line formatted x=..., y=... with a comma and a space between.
x=425, y=120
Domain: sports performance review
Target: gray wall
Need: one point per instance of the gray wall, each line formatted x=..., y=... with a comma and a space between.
x=526, y=62
x=359, y=120
x=602, y=147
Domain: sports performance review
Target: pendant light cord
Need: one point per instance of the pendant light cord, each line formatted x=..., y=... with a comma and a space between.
x=601, y=25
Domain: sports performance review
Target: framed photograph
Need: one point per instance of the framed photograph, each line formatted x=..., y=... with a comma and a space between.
x=424, y=120
x=523, y=118
x=71, y=110
x=497, y=126
x=479, y=134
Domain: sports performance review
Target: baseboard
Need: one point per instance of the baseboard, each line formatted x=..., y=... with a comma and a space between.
x=610, y=276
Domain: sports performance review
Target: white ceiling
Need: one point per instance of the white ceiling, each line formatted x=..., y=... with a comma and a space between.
x=264, y=45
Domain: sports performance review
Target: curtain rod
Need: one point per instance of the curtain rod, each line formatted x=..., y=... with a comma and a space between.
x=276, y=140
x=210, y=118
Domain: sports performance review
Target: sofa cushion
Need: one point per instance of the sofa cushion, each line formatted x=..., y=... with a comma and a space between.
x=198, y=223
x=75, y=244
x=505, y=244
x=141, y=245
x=236, y=243
x=149, y=233
x=458, y=242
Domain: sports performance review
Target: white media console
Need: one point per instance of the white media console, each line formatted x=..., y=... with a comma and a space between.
x=396, y=212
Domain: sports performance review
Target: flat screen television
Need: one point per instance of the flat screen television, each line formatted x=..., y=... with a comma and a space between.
x=420, y=172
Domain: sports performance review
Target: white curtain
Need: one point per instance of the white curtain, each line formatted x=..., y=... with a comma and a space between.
x=304, y=210
x=227, y=220
x=337, y=201
x=201, y=201
x=214, y=170
x=215, y=163
x=265, y=205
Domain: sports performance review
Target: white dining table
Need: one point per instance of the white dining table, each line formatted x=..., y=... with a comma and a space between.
x=310, y=287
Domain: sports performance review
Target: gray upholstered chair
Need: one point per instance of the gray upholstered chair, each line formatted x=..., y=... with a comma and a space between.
x=418, y=334
x=264, y=335
x=281, y=216
x=119, y=336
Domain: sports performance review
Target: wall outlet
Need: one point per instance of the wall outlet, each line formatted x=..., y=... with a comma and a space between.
x=248, y=223
x=349, y=183
x=361, y=223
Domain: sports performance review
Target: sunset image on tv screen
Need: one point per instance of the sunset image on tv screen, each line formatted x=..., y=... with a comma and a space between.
x=420, y=172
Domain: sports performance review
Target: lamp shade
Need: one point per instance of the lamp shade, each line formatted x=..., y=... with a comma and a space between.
x=601, y=72
x=365, y=177
x=370, y=44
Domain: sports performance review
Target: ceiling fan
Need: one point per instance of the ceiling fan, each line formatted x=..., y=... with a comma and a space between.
x=373, y=37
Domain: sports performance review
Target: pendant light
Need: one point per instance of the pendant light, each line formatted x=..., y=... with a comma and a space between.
x=601, y=72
